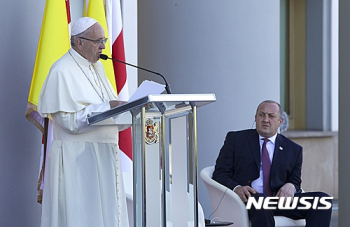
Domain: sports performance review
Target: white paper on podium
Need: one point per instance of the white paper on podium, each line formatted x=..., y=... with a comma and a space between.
x=125, y=119
x=147, y=88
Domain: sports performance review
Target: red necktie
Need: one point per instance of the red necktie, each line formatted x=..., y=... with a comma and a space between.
x=266, y=166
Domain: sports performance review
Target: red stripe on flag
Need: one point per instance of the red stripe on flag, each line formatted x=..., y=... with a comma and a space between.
x=126, y=145
x=68, y=11
x=119, y=68
x=125, y=137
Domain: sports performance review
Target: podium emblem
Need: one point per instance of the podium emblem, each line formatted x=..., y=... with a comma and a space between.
x=152, y=134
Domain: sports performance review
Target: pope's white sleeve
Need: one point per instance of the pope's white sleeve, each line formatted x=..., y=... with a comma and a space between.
x=76, y=122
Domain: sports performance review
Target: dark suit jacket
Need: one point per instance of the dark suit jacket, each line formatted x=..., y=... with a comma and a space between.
x=239, y=161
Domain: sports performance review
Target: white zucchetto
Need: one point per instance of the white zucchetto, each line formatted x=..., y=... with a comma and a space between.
x=82, y=24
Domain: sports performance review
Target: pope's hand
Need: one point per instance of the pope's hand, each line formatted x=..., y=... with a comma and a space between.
x=115, y=103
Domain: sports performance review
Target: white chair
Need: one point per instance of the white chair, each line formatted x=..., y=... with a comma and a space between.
x=128, y=186
x=227, y=206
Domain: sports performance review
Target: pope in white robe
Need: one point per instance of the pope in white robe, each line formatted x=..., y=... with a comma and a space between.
x=83, y=185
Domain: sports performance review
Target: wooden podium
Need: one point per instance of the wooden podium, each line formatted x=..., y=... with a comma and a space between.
x=164, y=157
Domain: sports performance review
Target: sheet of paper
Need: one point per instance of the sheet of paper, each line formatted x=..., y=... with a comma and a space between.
x=147, y=88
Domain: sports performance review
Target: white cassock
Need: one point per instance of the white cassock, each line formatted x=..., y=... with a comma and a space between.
x=83, y=182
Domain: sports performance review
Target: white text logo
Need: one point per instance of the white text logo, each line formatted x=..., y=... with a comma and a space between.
x=284, y=203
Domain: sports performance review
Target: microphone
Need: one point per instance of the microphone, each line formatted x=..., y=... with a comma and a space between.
x=167, y=87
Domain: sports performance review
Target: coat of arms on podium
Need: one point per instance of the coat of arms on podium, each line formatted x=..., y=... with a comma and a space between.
x=152, y=134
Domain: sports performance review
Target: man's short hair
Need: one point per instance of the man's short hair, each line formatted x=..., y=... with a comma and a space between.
x=271, y=101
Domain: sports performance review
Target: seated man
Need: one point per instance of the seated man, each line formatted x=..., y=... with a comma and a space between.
x=244, y=164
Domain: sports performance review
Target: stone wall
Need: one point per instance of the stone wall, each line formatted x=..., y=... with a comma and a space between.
x=320, y=160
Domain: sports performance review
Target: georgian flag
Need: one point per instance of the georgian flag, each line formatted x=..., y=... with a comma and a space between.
x=115, y=31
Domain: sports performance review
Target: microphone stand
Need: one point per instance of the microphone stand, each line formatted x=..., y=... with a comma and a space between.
x=167, y=87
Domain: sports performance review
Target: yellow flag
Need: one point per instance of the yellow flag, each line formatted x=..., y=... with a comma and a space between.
x=54, y=41
x=95, y=9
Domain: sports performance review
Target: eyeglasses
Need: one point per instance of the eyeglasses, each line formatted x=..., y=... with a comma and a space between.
x=98, y=41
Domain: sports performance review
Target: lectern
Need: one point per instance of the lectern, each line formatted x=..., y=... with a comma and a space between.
x=164, y=157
